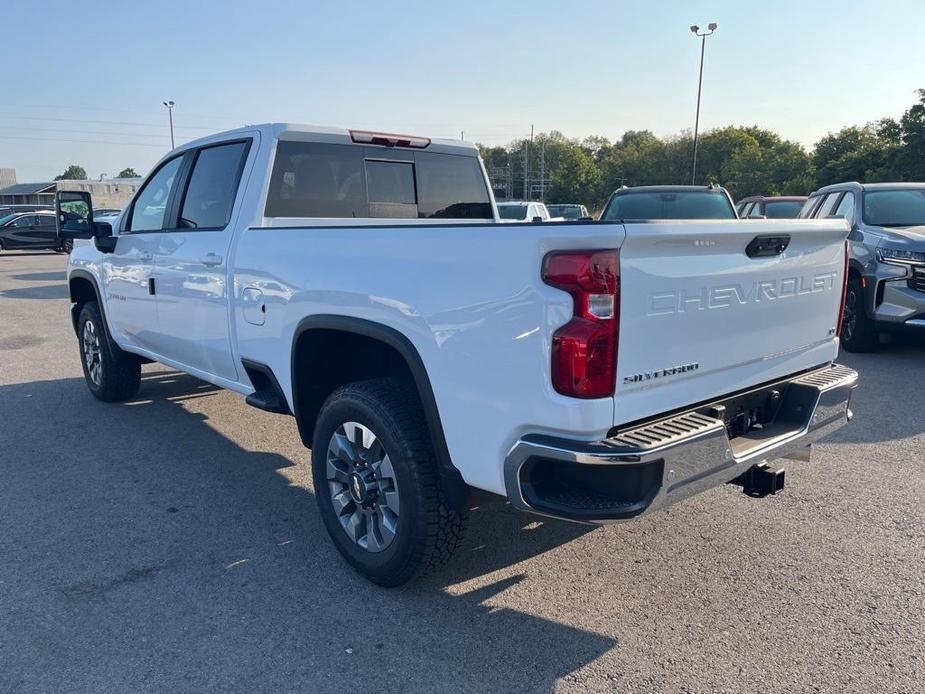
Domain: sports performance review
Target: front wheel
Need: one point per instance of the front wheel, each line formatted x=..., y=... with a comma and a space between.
x=376, y=484
x=858, y=332
x=111, y=374
x=67, y=245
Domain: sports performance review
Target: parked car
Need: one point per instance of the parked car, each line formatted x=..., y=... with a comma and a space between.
x=569, y=211
x=31, y=230
x=313, y=271
x=770, y=207
x=6, y=210
x=641, y=203
x=519, y=211
x=886, y=277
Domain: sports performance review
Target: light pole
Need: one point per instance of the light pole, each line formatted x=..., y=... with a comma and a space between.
x=695, y=30
x=169, y=105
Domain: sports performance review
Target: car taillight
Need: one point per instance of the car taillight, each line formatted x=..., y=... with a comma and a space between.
x=389, y=139
x=844, y=295
x=584, y=350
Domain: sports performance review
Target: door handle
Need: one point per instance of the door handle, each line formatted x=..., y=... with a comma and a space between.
x=145, y=256
x=211, y=259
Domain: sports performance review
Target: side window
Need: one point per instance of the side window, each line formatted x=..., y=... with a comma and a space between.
x=846, y=207
x=150, y=206
x=807, y=210
x=747, y=210
x=827, y=206
x=212, y=187
x=27, y=220
x=390, y=189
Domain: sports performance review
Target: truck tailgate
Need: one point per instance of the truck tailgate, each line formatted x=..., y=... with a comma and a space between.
x=699, y=318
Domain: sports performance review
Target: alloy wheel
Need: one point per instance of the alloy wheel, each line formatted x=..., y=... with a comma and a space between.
x=850, y=317
x=362, y=485
x=91, y=348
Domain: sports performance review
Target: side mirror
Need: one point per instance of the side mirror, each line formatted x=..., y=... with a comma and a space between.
x=73, y=215
x=537, y=219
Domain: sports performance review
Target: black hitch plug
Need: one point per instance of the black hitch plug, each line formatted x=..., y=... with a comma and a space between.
x=760, y=480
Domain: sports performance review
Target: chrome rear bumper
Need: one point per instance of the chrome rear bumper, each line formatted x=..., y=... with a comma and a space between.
x=662, y=461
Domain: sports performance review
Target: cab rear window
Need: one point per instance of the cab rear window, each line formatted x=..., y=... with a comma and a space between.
x=351, y=181
x=669, y=205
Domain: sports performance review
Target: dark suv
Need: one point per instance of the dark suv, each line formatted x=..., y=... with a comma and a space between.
x=643, y=203
x=32, y=230
x=776, y=207
x=886, y=275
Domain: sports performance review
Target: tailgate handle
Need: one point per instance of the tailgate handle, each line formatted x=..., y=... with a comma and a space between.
x=764, y=246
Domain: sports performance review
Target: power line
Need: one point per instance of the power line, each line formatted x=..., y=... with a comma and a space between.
x=86, y=132
x=108, y=122
x=92, y=142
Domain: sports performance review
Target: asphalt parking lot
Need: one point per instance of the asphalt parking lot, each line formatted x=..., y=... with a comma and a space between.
x=172, y=544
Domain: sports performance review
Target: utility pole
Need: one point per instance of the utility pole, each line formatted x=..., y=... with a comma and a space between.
x=527, y=163
x=543, y=171
x=695, y=30
x=169, y=105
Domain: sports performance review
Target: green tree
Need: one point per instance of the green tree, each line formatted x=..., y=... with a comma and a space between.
x=575, y=178
x=910, y=155
x=127, y=173
x=73, y=173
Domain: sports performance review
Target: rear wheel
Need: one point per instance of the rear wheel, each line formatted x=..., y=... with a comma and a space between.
x=67, y=245
x=376, y=485
x=111, y=374
x=859, y=332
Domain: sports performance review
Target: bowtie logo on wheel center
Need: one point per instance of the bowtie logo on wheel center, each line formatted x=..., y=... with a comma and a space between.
x=358, y=488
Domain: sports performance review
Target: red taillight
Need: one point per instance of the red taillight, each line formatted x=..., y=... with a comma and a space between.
x=584, y=350
x=844, y=294
x=389, y=139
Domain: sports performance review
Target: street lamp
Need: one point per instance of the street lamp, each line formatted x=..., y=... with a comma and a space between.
x=695, y=30
x=169, y=105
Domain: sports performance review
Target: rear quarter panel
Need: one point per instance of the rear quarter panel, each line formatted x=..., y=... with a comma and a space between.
x=470, y=299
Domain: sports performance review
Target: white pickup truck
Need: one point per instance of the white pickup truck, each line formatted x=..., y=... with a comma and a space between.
x=361, y=282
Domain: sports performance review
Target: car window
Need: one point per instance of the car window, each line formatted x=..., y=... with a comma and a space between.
x=451, y=186
x=331, y=180
x=827, y=206
x=747, y=210
x=313, y=179
x=845, y=208
x=782, y=209
x=26, y=220
x=212, y=187
x=150, y=206
x=807, y=210
x=646, y=205
x=45, y=220
x=895, y=207
x=512, y=211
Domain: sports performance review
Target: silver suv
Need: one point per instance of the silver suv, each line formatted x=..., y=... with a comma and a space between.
x=886, y=275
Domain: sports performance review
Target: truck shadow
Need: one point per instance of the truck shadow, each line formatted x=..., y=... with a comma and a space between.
x=45, y=291
x=144, y=548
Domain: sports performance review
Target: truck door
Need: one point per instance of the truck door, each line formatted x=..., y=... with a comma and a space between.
x=128, y=272
x=191, y=266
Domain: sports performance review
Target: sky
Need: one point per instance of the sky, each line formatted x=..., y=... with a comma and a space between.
x=85, y=83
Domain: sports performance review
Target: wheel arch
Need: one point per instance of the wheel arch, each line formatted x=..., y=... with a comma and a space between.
x=82, y=287
x=306, y=409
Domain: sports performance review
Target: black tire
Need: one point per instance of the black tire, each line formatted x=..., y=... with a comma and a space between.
x=111, y=374
x=859, y=332
x=427, y=530
x=67, y=245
